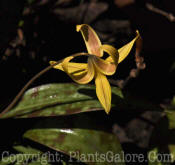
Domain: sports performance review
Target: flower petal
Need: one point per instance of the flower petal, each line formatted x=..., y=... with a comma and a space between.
x=91, y=39
x=103, y=91
x=72, y=67
x=124, y=51
x=59, y=66
x=82, y=76
x=113, y=53
x=107, y=68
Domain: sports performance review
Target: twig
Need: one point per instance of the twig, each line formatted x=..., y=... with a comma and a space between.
x=169, y=16
x=18, y=96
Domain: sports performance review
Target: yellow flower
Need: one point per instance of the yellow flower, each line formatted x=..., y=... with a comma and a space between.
x=96, y=67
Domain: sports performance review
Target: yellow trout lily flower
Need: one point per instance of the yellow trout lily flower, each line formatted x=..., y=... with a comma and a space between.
x=96, y=67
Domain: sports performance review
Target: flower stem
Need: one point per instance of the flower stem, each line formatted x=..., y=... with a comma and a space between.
x=18, y=96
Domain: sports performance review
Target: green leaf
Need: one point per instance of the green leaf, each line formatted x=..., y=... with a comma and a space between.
x=37, y=157
x=59, y=99
x=26, y=155
x=26, y=150
x=69, y=98
x=153, y=157
x=163, y=141
x=36, y=163
x=82, y=144
x=18, y=159
x=8, y=160
x=171, y=118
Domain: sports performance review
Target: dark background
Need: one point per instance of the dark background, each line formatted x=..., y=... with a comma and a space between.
x=49, y=34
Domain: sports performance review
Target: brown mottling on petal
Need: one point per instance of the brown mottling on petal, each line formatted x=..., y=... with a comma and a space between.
x=104, y=67
x=92, y=41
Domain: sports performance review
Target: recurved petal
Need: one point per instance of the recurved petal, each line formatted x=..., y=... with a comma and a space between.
x=91, y=39
x=72, y=67
x=113, y=53
x=124, y=51
x=105, y=67
x=103, y=91
x=81, y=76
x=59, y=66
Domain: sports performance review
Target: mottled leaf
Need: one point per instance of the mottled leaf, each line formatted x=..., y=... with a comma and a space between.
x=69, y=98
x=27, y=155
x=59, y=99
x=81, y=144
x=26, y=150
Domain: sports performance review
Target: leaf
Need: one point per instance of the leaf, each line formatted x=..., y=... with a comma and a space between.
x=8, y=160
x=163, y=142
x=171, y=107
x=69, y=98
x=79, y=144
x=19, y=159
x=26, y=150
x=29, y=154
x=34, y=163
x=153, y=157
x=59, y=99
x=171, y=117
x=157, y=158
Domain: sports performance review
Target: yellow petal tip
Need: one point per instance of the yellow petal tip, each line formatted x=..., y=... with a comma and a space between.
x=103, y=91
x=107, y=111
x=78, y=27
x=137, y=32
x=52, y=62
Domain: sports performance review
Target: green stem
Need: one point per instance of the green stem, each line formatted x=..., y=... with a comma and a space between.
x=18, y=96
